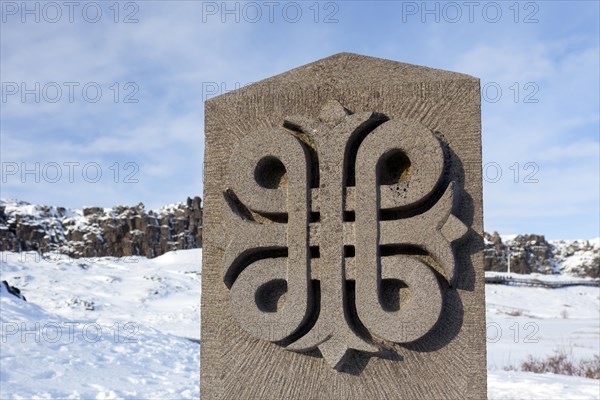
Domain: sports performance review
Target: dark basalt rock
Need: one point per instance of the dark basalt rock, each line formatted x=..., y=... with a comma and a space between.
x=533, y=253
x=12, y=290
x=96, y=232
x=129, y=231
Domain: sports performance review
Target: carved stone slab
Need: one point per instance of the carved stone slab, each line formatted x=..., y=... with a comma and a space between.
x=343, y=235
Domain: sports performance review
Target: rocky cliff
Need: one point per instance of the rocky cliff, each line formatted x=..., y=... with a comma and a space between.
x=94, y=231
x=533, y=253
x=124, y=231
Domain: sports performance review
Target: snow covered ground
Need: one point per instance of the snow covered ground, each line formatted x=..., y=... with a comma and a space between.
x=504, y=385
x=50, y=357
x=121, y=328
x=101, y=329
x=161, y=292
x=535, y=321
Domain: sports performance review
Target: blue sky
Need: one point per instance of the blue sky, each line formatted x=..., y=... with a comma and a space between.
x=538, y=61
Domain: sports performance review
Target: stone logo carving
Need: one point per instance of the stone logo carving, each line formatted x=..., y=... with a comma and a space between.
x=340, y=231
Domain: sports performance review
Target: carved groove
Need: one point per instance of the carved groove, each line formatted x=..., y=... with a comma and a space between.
x=367, y=199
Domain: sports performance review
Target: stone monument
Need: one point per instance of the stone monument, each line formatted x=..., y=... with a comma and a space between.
x=343, y=235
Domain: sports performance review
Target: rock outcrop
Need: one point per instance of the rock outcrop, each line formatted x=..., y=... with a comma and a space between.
x=95, y=232
x=129, y=231
x=4, y=286
x=533, y=253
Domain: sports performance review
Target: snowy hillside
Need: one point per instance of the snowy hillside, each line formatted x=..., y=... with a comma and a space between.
x=574, y=257
x=114, y=331
x=161, y=293
x=148, y=310
x=523, y=321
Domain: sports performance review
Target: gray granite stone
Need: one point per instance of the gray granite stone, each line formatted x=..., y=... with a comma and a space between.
x=343, y=235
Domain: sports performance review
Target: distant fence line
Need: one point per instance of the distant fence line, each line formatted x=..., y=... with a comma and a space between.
x=504, y=280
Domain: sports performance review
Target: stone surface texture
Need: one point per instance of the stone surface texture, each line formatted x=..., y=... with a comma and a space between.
x=343, y=235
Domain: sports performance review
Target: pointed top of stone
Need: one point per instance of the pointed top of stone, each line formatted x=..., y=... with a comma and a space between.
x=343, y=69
